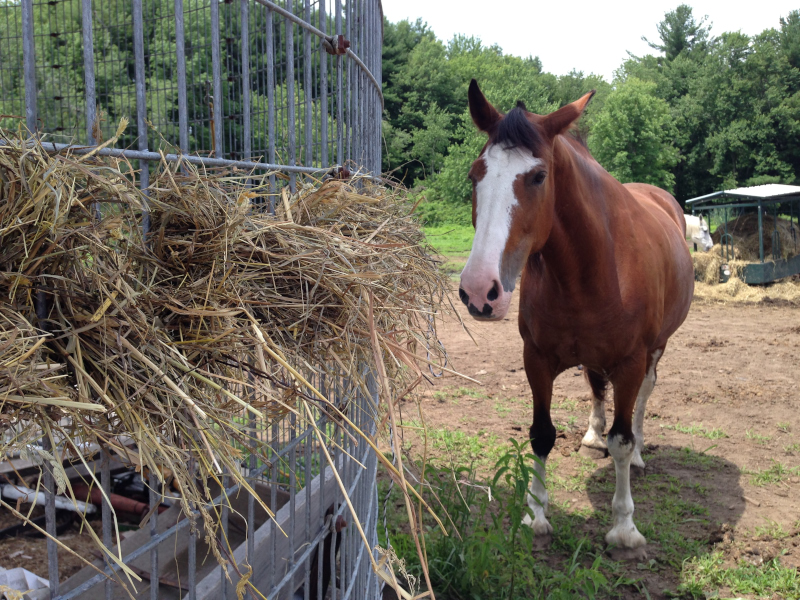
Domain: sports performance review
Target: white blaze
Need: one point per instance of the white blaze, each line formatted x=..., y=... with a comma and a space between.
x=495, y=201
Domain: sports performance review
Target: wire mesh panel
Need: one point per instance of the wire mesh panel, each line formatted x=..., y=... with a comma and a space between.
x=290, y=85
x=251, y=84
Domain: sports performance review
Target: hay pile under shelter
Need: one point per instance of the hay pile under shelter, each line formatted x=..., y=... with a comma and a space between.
x=170, y=338
x=745, y=240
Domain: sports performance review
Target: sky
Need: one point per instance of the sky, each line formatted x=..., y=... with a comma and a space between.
x=592, y=37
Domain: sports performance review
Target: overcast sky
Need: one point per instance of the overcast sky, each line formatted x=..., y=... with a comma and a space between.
x=592, y=37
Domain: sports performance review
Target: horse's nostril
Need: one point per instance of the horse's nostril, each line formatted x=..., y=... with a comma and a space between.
x=463, y=295
x=493, y=293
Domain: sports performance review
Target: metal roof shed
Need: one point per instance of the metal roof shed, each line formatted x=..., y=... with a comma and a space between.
x=760, y=197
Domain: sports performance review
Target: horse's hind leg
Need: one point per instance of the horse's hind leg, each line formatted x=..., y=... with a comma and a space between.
x=641, y=404
x=597, y=420
x=626, y=540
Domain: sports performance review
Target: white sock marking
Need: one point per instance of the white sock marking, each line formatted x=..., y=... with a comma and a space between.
x=624, y=533
x=641, y=405
x=538, y=490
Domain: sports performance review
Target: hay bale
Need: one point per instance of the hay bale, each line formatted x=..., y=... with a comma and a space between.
x=167, y=340
x=744, y=230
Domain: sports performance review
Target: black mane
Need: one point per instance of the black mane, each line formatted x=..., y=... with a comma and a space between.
x=515, y=131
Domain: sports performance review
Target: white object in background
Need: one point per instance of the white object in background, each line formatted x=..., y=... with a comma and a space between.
x=21, y=580
x=14, y=492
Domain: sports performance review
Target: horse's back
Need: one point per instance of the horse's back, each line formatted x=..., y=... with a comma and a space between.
x=662, y=199
x=666, y=269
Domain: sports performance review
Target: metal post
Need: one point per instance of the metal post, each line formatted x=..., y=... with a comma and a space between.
x=323, y=88
x=271, y=105
x=141, y=106
x=760, y=232
x=29, y=64
x=245, y=14
x=50, y=518
x=154, y=502
x=290, y=91
x=88, y=69
x=216, y=74
x=339, y=91
x=180, y=56
x=105, y=483
x=308, y=90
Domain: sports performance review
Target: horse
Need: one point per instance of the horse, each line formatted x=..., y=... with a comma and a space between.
x=697, y=233
x=606, y=279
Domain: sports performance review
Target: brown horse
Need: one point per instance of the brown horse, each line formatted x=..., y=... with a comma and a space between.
x=606, y=280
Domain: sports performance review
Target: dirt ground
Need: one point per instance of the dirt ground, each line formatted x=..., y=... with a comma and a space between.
x=731, y=370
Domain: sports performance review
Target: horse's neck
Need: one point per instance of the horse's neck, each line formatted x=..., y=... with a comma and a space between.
x=579, y=253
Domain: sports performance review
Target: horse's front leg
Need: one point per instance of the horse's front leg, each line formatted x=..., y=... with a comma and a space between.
x=543, y=437
x=625, y=539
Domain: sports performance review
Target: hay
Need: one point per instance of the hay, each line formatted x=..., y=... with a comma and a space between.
x=744, y=231
x=166, y=340
x=735, y=290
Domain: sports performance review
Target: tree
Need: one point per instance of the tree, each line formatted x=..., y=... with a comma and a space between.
x=679, y=31
x=632, y=135
x=790, y=37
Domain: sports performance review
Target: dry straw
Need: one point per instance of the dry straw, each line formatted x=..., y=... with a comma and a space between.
x=165, y=340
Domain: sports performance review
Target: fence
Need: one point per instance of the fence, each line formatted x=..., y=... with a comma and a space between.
x=250, y=84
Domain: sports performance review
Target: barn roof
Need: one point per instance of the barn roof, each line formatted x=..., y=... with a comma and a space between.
x=774, y=192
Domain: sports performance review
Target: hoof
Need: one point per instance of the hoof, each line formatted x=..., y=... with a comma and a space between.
x=593, y=453
x=541, y=528
x=636, y=459
x=627, y=554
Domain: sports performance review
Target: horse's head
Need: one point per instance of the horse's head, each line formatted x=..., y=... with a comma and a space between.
x=702, y=237
x=513, y=198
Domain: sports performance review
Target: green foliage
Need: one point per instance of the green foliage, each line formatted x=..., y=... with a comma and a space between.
x=632, y=135
x=490, y=554
x=680, y=32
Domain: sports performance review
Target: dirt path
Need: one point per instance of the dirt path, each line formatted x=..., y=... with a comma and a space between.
x=723, y=421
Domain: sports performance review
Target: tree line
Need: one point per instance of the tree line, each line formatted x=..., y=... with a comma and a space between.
x=699, y=114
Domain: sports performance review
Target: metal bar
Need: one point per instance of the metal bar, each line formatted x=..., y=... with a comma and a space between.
x=760, y=233
x=141, y=106
x=105, y=483
x=223, y=539
x=154, y=502
x=339, y=94
x=195, y=160
x=308, y=90
x=290, y=92
x=216, y=75
x=88, y=69
x=323, y=89
x=50, y=518
x=192, y=558
x=271, y=104
x=245, y=15
x=180, y=55
x=29, y=64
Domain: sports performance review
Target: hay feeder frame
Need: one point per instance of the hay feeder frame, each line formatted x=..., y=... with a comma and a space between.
x=764, y=199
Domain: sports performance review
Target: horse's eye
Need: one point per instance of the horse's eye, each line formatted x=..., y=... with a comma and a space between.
x=539, y=178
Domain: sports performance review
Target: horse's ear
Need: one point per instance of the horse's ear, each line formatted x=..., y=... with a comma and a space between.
x=559, y=121
x=484, y=115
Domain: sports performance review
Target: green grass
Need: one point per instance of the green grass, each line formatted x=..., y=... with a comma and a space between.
x=566, y=404
x=458, y=448
x=698, y=430
x=774, y=474
x=491, y=555
x=792, y=448
x=451, y=240
x=770, y=580
x=758, y=438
